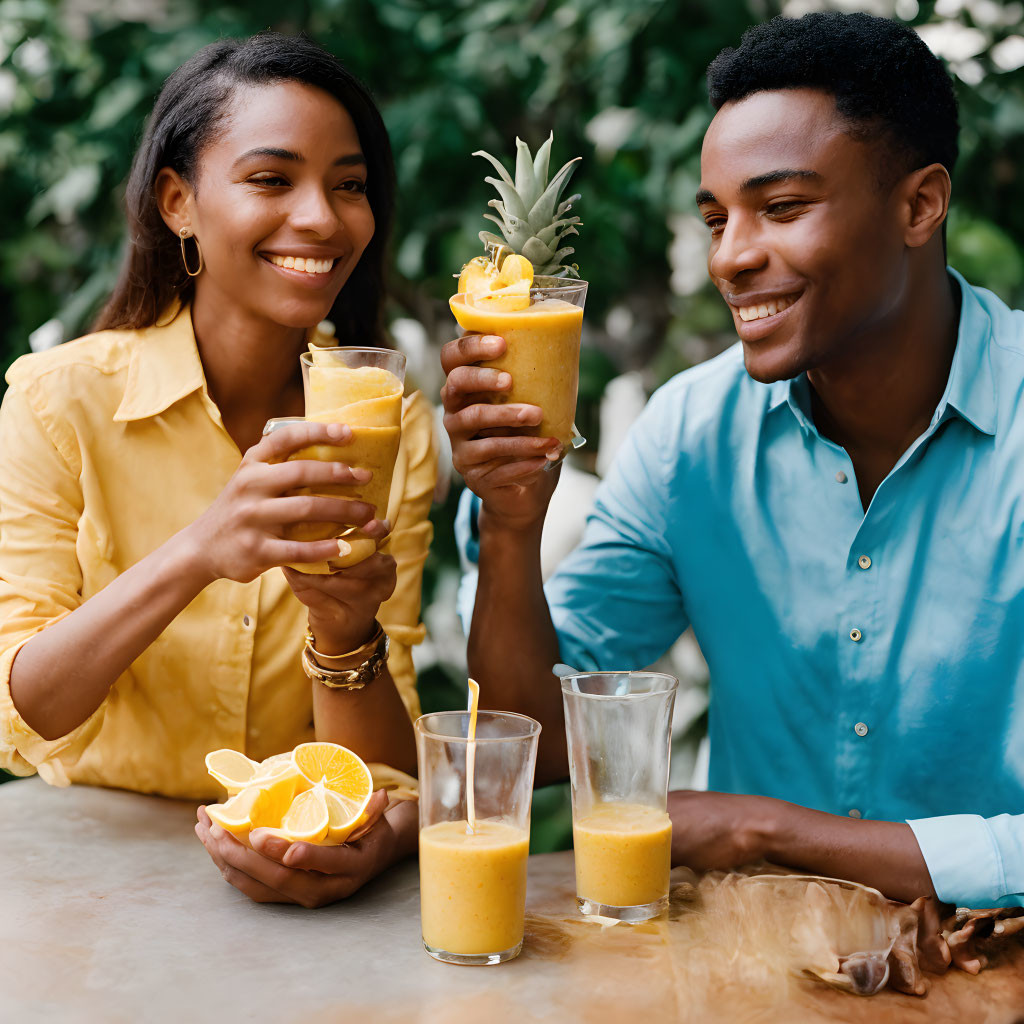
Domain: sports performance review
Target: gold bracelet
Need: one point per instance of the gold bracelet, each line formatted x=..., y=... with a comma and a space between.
x=348, y=678
x=325, y=660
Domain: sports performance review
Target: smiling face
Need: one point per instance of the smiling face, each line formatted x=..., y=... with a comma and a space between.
x=280, y=208
x=806, y=247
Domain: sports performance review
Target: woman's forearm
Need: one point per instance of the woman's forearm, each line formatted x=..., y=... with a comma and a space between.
x=372, y=721
x=63, y=674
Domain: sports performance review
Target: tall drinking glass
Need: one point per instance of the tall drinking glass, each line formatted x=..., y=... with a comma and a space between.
x=473, y=859
x=618, y=727
x=363, y=388
x=542, y=354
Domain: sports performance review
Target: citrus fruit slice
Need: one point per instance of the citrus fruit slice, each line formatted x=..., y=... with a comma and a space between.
x=275, y=795
x=515, y=268
x=307, y=819
x=340, y=771
x=235, y=816
x=272, y=765
x=231, y=768
x=340, y=823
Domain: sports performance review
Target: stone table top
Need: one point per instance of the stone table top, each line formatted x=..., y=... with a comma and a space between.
x=111, y=911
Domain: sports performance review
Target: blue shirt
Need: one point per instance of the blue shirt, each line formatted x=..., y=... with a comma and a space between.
x=862, y=663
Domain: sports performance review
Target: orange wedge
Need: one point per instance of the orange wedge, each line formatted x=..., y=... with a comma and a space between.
x=340, y=824
x=231, y=768
x=307, y=819
x=340, y=771
x=235, y=816
x=276, y=794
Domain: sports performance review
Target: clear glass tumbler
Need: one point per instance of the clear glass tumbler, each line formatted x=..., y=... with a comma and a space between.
x=618, y=727
x=361, y=387
x=473, y=874
x=542, y=353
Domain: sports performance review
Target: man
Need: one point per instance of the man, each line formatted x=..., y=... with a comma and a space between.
x=836, y=504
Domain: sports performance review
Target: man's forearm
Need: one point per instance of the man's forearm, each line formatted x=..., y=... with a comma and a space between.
x=512, y=640
x=882, y=854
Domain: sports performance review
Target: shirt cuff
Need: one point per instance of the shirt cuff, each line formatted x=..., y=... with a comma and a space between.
x=964, y=860
x=22, y=750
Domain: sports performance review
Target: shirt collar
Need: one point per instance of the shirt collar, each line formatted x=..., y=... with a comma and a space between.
x=164, y=366
x=970, y=391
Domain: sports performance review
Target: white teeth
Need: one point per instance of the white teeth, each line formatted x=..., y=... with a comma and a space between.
x=748, y=313
x=309, y=266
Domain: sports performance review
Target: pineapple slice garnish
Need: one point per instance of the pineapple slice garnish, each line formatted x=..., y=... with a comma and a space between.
x=498, y=291
x=509, y=299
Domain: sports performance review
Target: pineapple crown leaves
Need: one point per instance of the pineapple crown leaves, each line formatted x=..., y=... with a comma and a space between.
x=530, y=215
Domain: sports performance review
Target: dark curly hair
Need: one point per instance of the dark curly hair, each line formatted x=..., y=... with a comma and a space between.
x=188, y=113
x=888, y=86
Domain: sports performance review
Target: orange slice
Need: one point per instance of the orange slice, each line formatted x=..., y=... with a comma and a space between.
x=307, y=819
x=515, y=268
x=235, y=816
x=340, y=771
x=231, y=768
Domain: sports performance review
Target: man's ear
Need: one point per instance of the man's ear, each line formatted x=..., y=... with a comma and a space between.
x=174, y=199
x=925, y=195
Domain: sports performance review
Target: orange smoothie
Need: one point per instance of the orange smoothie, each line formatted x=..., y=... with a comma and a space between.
x=543, y=357
x=369, y=400
x=623, y=854
x=473, y=886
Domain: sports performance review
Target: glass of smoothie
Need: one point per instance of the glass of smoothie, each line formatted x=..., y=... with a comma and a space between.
x=619, y=727
x=475, y=797
x=542, y=349
x=363, y=388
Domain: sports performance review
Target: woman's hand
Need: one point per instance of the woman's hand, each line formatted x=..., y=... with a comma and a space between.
x=342, y=605
x=276, y=871
x=240, y=535
x=499, y=462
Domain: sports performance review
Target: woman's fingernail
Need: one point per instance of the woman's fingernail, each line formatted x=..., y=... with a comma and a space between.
x=504, y=380
x=344, y=548
x=386, y=523
x=362, y=475
x=524, y=415
x=555, y=455
x=336, y=430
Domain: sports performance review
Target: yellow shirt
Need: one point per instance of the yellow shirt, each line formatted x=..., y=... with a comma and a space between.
x=108, y=446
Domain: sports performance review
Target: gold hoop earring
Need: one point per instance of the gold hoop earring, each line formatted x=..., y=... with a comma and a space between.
x=186, y=233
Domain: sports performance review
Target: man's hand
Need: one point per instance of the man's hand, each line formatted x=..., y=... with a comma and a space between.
x=499, y=461
x=276, y=871
x=717, y=831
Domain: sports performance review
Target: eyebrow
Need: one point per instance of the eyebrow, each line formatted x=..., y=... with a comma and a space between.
x=348, y=160
x=760, y=180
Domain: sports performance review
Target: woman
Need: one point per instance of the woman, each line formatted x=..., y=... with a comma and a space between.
x=145, y=618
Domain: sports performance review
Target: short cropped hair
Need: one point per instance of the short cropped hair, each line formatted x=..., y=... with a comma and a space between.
x=888, y=86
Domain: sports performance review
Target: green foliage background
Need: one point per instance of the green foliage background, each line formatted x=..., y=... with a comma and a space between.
x=619, y=81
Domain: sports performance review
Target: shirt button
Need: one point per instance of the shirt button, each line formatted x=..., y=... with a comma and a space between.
x=864, y=562
x=854, y=813
x=245, y=621
x=860, y=729
x=840, y=477
x=855, y=635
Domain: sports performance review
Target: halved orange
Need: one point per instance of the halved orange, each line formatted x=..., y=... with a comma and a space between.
x=340, y=771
